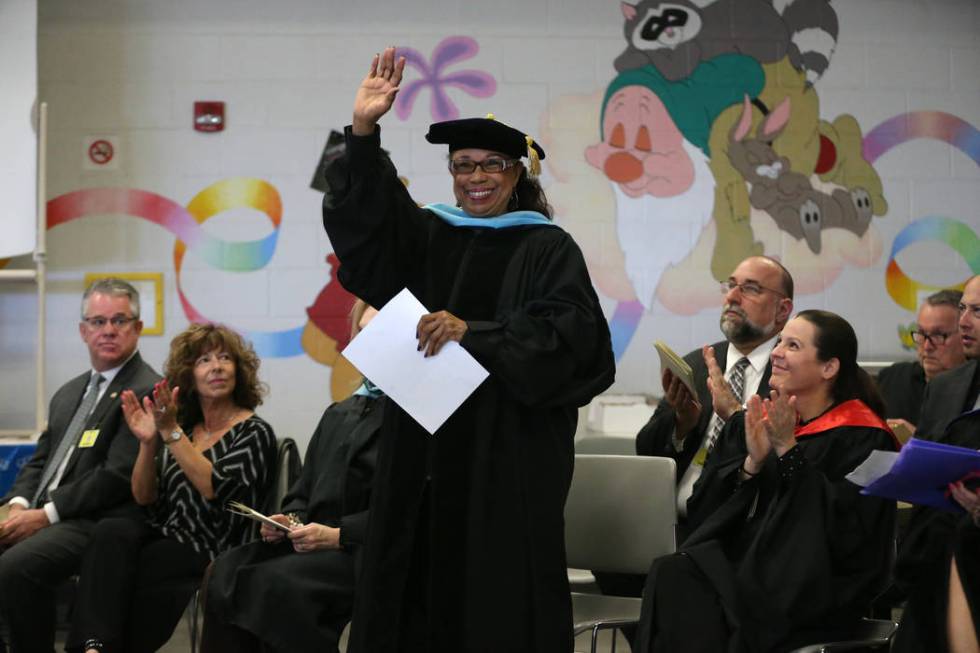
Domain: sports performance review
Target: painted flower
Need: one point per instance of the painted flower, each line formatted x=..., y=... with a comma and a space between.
x=449, y=51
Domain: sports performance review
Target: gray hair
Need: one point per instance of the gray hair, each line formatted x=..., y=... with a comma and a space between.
x=116, y=288
x=946, y=297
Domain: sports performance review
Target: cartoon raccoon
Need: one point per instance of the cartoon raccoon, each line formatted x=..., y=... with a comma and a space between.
x=676, y=35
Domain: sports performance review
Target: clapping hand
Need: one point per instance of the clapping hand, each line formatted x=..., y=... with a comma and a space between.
x=769, y=426
x=756, y=438
x=377, y=92
x=164, y=406
x=723, y=400
x=139, y=418
x=781, y=421
x=153, y=416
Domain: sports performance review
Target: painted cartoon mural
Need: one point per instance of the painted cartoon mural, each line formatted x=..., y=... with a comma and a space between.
x=676, y=36
x=713, y=149
x=705, y=144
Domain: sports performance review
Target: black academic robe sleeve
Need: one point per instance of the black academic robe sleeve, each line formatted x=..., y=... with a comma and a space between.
x=378, y=232
x=334, y=487
x=554, y=348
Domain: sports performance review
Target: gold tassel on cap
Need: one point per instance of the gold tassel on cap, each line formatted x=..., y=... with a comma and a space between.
x=534, y=163
x=490, y=116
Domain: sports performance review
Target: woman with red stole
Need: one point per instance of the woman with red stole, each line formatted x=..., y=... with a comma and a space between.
x=784, y=551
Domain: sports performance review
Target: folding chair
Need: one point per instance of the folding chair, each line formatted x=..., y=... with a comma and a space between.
x=289, y=465
x=873, y=634
x=620, y=514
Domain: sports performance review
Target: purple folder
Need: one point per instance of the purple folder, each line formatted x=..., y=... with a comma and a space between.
x=922, y=472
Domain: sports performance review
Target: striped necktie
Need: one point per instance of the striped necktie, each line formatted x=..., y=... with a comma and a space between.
x=736, y=381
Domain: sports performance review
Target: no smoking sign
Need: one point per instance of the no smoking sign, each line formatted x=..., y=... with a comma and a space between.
x=100, y=153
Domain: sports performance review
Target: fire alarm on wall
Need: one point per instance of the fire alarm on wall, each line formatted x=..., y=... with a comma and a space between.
x=209, y=116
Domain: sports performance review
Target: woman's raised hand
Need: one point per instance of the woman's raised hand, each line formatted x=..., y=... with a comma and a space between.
x=756, y=438
x=139, y=418
x=377, y=92
x=780, y=422
x=164, y=406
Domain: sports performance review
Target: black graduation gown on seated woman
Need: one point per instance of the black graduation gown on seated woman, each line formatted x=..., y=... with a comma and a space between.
x=795, y=554
x=301, y=601
x=489, y=487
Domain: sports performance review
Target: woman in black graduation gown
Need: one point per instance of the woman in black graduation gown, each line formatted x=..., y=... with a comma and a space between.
x=784, y=551
x=465, y=549
x=295, y=592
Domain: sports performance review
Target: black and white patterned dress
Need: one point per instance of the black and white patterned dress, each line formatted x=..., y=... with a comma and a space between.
x=242, y=463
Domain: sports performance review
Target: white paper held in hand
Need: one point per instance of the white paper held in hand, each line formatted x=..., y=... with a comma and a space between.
x=243, y=510
x=874, y=467
x=428, y=389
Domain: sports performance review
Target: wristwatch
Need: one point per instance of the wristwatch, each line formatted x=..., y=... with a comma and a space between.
x=173, y=436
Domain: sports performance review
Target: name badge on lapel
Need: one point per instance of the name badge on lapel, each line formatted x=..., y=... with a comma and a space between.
x=88, y=439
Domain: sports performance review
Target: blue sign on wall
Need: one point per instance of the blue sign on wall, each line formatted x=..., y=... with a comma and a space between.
x=12, y=458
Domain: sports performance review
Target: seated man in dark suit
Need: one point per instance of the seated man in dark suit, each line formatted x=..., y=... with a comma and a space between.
x=758, y=303
x=80, y=471
x=950, y=414
x=938, y=348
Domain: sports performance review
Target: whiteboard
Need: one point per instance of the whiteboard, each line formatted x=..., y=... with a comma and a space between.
x=18, y=164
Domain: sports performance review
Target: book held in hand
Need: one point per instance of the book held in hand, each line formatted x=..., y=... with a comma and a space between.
x=669, y=360
x=919, y=474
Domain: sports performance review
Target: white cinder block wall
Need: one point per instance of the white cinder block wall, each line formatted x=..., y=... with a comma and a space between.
x=287, y=72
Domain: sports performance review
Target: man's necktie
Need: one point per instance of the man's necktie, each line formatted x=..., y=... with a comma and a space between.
x=737, y=383
x=70, y=438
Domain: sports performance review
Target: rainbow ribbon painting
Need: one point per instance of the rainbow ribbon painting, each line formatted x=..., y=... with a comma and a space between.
x=185, y=224
x=957, y=235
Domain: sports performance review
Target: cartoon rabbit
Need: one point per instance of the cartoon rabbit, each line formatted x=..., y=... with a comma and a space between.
x=798, y=208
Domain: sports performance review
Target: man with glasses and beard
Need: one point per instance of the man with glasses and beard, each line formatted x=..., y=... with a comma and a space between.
x=938, y=348
x=758, y=302
x=79, y=472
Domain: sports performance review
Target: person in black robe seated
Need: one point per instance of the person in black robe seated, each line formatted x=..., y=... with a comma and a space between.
x=201, y=445
x=950, y=414
x=465, y=547
x=294, y=592
x=785, y=552
x=937, y=347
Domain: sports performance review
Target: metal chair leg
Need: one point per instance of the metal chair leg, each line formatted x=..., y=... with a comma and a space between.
x=193, y=623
